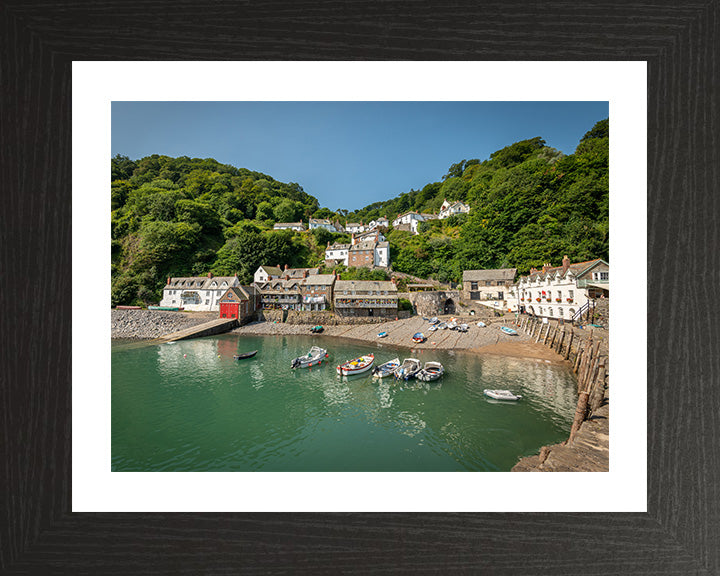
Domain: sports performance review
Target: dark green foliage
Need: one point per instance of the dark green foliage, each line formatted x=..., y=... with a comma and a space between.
x=404, y=304
x=183, y=216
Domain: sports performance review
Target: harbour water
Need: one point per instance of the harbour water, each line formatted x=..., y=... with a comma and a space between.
x=189, y=406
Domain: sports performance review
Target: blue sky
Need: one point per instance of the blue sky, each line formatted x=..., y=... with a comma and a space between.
x=346, y=154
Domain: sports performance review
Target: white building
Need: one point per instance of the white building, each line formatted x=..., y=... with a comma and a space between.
x=382, y=221
x=451, y=208
x=297, y=226
x=354, y=227
x=337, y=254
x=374, y=235
x=198, y=294
x=411, y=219
x=563, y=291
x=266, y=273
x=322, y=223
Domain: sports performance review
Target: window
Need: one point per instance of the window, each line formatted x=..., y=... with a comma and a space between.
x=600, y=275
x=570, y=294
x=488, y=282
x=473, y=286
x=207, y=301
x=550, y=313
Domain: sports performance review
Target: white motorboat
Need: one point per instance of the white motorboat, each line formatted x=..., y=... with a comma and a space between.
x=434, y=320
x=431, y=371
x=481, y=324
x=442, y=326
x=408, y=369
x=463, y=328
x=315, y=356
x=386, y=369
x=501, y=394
x=356, y=366
x=432, y=328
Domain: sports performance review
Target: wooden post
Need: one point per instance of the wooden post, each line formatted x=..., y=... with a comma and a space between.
x=580, y=414
x=560, y=342
x=570, y=341
x=552, y=340
x=578, y=357
x=598, y=391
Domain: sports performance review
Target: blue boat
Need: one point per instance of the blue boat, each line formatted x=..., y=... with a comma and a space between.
x=509, y=331
x=382, y=334
x=418, y=337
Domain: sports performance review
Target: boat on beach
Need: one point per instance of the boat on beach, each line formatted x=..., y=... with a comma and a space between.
x=430, y=372
x=387, y=368
x=418, y=338
x=462, y=328
x=434, y=320
x=481, y=324
x=244, y=355
x=501, y=394
x=508, y=330
x=382, y=334
x=408, y=369
x=315, y=356
x=356, y=366
x=433, y=328
x=442, y=326
x=317, y=329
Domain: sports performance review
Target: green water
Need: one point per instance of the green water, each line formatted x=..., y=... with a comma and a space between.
x=190, y=406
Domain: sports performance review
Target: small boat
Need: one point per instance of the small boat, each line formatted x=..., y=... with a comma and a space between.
x=357, y=366
x=508, y=330
x=128, y=307
x=165, y=308
x=463, y=328
x=316, y=329
x=452, y=325
x=501, y=394
x=408, y=369
x=442, y=326
x=386, y=369
x=382, y=334
x=481, y=324
x=434, y=320
x=315, y=356
x=418, y=338
x=431, y=371
x=432, y=328
x=244, y=355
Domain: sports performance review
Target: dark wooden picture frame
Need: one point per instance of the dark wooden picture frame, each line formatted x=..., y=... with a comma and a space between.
x=680, y=533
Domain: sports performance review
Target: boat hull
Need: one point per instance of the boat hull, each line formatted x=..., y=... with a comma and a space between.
x=502, y=395
x=347, y=370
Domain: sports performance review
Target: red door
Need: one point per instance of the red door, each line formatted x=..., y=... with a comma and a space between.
x=228, y=310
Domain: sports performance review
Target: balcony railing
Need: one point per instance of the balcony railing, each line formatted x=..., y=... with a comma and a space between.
x=363, y=304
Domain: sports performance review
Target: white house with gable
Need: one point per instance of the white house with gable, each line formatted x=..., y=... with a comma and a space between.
x=451, y=208
x=198, y=293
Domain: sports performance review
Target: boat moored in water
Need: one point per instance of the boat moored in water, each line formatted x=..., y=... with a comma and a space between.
x=430, y=372
x=387, y=368
x=408, y=369
x=244, y=355
x=501, y=394
x=315, y=356
x=356, y=366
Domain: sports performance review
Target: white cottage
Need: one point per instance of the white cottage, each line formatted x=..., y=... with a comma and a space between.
x=197, y=293
x=451, y=208
x=411, y=219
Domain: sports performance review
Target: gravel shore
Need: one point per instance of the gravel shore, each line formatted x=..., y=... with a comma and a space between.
x=489, y=339
x=145, y=324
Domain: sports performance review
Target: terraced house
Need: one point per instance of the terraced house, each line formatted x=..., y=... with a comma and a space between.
x=565, y=291
x=281, y=294
x=316, y=291
x=365, y=298
x=492, y=288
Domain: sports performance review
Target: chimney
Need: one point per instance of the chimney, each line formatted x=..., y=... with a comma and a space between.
x=305, y=274
x=565, y=264
x=533, y=270
x=168, y=280
x=286, y=266
x=546, y=267
x=210, y=275
x=278, y=266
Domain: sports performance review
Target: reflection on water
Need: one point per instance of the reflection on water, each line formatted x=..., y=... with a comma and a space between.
x=191, y=406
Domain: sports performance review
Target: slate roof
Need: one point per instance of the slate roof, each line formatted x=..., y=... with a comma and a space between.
x=364, y=286
x=319, y=280
x=199, y=282
x=496, y=274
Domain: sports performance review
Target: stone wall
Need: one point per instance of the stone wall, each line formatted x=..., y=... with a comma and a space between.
x=432, y=303
x=602, y=311
x=327, y=318
x=270, y=315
